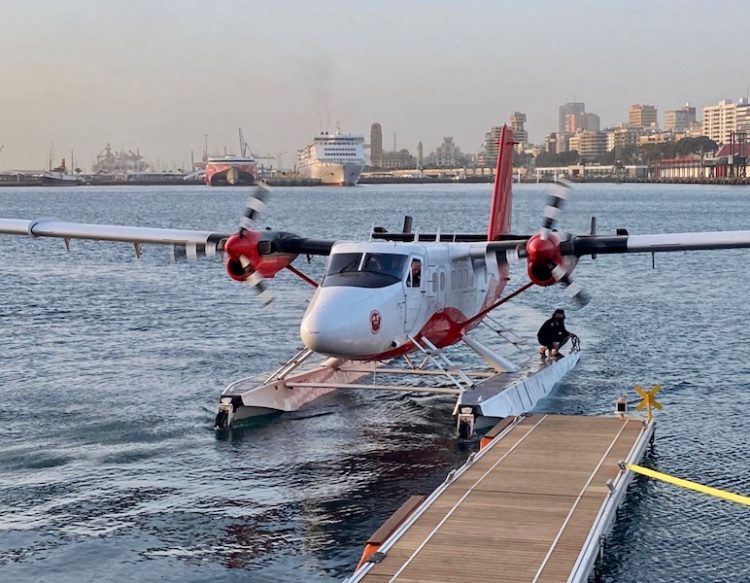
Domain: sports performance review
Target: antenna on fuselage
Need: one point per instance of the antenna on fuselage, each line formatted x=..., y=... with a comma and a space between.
x=437, y=236
x=407, y=224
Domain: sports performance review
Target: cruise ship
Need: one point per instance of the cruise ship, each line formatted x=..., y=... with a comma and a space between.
x=333, y=158
x=231, y=171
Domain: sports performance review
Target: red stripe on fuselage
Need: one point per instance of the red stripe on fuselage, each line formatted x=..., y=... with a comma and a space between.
x=443, y=329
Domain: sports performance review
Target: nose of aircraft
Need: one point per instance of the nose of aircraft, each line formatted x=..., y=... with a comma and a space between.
x=353, y=322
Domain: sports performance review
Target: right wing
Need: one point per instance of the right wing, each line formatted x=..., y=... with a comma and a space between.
x=192, y=243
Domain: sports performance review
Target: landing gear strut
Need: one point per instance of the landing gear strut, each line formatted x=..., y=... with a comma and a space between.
x=225, y=414
x=465, y=423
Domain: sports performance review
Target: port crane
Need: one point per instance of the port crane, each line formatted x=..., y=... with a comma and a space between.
x=246, y=150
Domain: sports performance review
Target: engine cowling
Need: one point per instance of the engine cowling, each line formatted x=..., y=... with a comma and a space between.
x=543, y=256
x=244, y=256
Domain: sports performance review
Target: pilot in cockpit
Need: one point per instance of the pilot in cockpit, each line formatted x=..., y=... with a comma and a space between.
x=415, y=273
x=375, y=264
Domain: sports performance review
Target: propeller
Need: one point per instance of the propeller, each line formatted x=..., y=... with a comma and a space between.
x=256, y=203
x=548, y=262
x=243, y=255
x=555, y=203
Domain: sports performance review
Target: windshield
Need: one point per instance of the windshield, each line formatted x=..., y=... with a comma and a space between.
x=376, y=270
x=344, y=263
x=385, y=263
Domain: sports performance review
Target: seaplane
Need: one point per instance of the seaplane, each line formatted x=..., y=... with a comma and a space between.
x=395, y=305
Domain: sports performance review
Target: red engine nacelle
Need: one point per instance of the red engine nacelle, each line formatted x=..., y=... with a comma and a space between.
x=245, y=244
x=542, y=257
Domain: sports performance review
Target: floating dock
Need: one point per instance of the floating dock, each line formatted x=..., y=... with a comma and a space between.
x=532, y=505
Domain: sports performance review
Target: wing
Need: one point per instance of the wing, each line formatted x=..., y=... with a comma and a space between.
x=660, y=243
x=582, y=245
x=551, y=258
x=194, y=243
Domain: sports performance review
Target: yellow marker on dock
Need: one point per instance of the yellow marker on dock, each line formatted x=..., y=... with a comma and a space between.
x=648, y=400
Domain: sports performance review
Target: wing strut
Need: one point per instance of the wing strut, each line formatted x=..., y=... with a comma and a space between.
x=499, y=302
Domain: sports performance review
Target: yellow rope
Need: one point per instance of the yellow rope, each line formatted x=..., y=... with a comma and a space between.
x=690, y=485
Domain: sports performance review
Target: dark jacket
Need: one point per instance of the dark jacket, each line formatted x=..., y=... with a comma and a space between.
x=552, y=331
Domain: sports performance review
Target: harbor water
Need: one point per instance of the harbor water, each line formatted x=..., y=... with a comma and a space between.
x=110, y=469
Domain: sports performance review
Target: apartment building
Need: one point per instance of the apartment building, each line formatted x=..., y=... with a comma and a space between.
x=642, y=116
x=720, y=120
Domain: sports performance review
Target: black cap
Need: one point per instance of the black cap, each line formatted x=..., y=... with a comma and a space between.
x=559, y=311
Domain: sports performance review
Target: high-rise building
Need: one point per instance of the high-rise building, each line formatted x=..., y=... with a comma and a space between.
x=557, y=142
x=719, y=121
x=420, y=155
x=589, y=145
x=491, y=146
x=622, y=137
x=379, y=158
x=517, y=119
x=448, y=154
x=588, y=122
x=376, y=142
x=642, y=116
x=743, y=115
x=572, y=107
x=679, y=120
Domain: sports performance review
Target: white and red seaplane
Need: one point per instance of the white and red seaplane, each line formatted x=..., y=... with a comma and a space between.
x=402, y=295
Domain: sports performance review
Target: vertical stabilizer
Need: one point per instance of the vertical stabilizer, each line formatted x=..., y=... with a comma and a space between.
x=500, y=210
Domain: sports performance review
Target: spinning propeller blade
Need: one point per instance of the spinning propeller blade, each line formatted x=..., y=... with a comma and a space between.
x=259, y=285
x=549, y=261
x=555, y=203
x=574, y=291
x=515, y=255
x=256, y=203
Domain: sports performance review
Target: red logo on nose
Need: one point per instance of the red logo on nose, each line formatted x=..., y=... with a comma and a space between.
x=375, y=321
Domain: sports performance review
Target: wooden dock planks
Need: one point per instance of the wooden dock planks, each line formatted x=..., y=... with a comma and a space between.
x=522, y=511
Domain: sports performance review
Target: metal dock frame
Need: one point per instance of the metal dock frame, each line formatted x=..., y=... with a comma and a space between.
x=533, y=505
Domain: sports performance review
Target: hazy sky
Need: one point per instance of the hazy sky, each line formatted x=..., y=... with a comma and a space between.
x=158, y=75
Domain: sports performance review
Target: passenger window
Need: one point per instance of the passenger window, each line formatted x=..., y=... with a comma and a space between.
x=442, y=281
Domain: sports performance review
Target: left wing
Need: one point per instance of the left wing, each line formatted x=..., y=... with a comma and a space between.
x=660, y=243
x=551, y=259
x=582, y=245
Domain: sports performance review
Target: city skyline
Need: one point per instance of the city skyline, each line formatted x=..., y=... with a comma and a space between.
x=158, y=77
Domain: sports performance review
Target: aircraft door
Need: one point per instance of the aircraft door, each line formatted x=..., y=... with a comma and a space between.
x=442, y=285
x=436, y=284
x=414, y=293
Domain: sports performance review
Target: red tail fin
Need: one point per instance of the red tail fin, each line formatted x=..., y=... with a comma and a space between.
x=502, y=197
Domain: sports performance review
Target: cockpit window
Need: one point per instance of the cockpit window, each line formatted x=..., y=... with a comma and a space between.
x=344, y=263
x=376, y=270
x=385, y=263
x=414, y=277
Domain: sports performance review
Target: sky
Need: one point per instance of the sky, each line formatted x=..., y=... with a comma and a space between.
x=158, y=75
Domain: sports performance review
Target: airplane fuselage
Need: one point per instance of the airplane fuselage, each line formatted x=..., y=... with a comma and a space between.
x=376, y=296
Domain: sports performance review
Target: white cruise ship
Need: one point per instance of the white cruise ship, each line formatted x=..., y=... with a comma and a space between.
x=333, y=158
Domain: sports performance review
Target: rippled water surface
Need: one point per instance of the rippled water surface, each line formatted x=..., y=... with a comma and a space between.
x=111, y=367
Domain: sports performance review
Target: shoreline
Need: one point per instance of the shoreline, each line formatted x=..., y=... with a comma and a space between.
x=722, y=181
